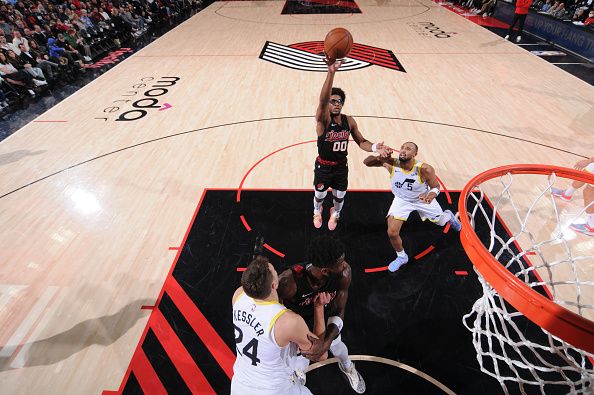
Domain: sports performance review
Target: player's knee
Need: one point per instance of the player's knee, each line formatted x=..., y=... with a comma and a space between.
x=444, y=218
x=393, y=233
x=338, y=195
x=320, y=195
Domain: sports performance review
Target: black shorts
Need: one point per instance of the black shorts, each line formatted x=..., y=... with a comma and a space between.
x=335, y=177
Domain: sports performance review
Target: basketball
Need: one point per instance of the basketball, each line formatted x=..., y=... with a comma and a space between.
x=338, y=43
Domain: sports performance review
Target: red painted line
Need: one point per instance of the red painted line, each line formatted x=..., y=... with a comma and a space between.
x=261, y=160
x=212, y=340
x=241, y=269
x=145, y=307
x=422, y=254
x=48, y=121
x=269, y=248
x=184, y=364
x=446, y=228
x=245, y=224
x=145, y=374
x=173, y=248
x=461, y=273
x=531, y=253
x=376, y=269
x=106, y=392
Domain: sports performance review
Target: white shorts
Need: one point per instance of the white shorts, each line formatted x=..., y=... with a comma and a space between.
x=401, y=209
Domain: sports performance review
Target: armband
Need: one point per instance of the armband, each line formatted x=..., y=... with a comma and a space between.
x=435, y=191
x=308, y=266
x=336, y=320
x=374, y=147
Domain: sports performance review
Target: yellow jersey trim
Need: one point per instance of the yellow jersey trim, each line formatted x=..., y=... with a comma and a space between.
x=410, y=171
x=419, y=164
x=273, y=320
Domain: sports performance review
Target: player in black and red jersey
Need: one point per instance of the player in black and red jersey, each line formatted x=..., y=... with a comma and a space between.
x=334, y=129
x=327, y=273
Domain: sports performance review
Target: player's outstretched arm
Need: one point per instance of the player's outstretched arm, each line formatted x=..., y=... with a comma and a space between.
x=322, y=113
x=428, y=175
x=338, y=307
x=320, y=301
x=378, y=161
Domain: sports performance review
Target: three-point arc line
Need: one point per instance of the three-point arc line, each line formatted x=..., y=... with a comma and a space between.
x=275, y=251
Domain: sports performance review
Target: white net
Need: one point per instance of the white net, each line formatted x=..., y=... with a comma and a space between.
x=530, y=232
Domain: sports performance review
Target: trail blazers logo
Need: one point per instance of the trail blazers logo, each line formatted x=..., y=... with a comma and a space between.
x=309, y=56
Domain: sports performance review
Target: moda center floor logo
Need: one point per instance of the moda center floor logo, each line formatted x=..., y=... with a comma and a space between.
x=309, y=56
x=430, y=29
x=144, y=96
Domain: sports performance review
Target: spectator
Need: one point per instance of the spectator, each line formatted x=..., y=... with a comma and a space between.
x=522, y=7
x=42, y=59
x=78, y=43
x=558, y=11
x=69, y=51
x=15, y=77
x=21, y=64
x=39, y=35
x=19, y=39
x=590, y=20
x=5, y=28
x=487, y=8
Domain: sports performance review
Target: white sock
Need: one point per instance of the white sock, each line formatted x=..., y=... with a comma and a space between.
x=401, y=253
x=591, y=220
x=569, y=191
x=341, y=352
x=317, y=205
x=337, y=208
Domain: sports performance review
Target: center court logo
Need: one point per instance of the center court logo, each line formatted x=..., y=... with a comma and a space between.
x=309, y=56
x=430, y=29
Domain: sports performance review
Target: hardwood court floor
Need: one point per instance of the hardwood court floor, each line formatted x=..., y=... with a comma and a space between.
x=91, y=207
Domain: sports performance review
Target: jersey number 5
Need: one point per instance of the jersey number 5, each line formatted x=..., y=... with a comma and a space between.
x=250, y=350
x=340, y=146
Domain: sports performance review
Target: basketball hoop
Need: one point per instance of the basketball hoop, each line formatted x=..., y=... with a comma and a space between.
x=517, y=216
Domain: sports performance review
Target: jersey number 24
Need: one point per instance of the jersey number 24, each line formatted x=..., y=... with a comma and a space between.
x=250, y=350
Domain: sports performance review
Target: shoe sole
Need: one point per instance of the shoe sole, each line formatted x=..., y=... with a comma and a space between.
x=584, y=232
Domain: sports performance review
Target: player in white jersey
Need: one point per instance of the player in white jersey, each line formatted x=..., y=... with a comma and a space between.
x=586, y=165
x=267, y=336
x=415, y=186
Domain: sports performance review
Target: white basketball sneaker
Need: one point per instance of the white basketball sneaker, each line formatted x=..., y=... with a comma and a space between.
x=354, y=377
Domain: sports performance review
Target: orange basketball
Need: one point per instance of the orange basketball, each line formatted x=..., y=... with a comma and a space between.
x=338, y=43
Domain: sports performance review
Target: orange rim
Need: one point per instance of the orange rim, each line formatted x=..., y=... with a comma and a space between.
x=567, y=325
